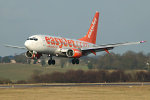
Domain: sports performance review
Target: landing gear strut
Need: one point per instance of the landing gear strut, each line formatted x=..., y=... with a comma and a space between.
x=75, y=61
x=51, y=61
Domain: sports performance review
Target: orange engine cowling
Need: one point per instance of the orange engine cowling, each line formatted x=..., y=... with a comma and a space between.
x=74, y=53
x=31, y=55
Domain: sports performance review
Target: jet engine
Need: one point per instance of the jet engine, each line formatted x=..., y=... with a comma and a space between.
x=74, y=53
x=31, y=55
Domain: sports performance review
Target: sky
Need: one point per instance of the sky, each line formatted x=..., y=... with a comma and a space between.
x=119, y=21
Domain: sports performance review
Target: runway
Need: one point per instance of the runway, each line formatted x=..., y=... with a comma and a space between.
x=70, y=85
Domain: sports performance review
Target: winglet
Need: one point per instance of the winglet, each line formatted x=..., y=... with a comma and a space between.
x=143, y=41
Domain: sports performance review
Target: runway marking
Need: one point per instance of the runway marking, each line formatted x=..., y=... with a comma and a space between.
x=70, y=85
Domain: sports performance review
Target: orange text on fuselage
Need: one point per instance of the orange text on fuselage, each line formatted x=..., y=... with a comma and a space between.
x=65, y=42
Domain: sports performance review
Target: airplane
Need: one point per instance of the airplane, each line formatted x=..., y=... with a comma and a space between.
x=37, y=45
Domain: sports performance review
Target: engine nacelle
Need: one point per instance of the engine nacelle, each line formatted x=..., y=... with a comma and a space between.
x=75, y=53
x=31, y=55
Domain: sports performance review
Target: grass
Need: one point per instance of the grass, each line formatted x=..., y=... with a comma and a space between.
x=16, y=72
x=78, y=93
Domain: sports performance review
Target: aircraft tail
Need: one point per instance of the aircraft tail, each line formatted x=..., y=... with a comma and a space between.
x=92, y=32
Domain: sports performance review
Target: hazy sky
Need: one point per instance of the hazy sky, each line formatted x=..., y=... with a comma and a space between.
x=120, y=21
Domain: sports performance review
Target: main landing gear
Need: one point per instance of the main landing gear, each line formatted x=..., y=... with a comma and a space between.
x=75, y=61
x=51, y=61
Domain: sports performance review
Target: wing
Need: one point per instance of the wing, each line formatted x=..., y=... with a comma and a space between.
x=106, y=47
x=15, y=46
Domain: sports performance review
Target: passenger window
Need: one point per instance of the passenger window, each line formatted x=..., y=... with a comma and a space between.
x=35, y=39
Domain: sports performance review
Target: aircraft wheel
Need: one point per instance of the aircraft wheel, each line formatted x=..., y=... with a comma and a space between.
x=53, y=62
x=73, y=61
x=77, y=61
x=49, y=62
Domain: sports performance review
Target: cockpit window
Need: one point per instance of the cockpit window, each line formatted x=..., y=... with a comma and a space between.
x=35, y=39
x=31, y=39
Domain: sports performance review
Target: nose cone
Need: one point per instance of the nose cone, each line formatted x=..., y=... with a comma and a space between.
x=28, y=45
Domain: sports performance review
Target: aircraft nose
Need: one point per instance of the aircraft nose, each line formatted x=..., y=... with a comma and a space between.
x=27, y=45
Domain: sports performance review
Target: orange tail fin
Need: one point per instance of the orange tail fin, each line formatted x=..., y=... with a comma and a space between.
x=92, y=33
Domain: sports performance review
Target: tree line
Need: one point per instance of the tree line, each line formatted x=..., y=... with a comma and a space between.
x=90, y=76
x=127, y=61
x=81, y=76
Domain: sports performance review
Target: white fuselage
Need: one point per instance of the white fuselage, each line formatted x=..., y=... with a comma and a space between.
x=46, y=44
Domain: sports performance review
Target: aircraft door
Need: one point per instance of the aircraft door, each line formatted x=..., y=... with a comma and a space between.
x=44, y=42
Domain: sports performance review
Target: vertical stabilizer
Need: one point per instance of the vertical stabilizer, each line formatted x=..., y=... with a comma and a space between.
x=92, y=33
